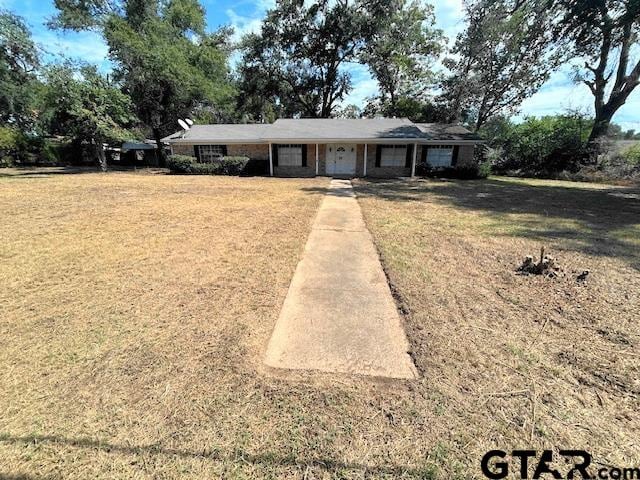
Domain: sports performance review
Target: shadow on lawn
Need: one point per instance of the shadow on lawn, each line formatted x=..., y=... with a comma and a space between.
x=603, y=218
x=43, y=172
x=237, y=455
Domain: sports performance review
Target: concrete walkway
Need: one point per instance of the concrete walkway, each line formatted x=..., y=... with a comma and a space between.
x=339, y=315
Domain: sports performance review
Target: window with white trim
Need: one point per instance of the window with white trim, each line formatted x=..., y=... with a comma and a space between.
x=290, y=155
x=393, y=155
x=439, y=156
x=210, y=153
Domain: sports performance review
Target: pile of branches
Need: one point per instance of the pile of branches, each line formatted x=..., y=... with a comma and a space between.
x=546, y=265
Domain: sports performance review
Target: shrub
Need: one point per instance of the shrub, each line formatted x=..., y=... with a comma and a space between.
x=471, y=172
x=632, y=154
x=12, y=145
x=189, y=165
x=538, y=146
x=180, y=163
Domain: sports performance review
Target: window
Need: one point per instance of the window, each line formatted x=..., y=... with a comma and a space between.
x=440, y=155
x=393, y=155
x=210, y=153
x=290, y=155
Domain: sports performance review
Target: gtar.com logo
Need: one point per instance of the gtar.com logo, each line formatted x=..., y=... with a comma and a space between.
x=527, y=464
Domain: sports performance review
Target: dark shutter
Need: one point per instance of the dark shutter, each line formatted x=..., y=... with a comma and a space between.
x=409, y=157
x=454, y=156
x=224, y=150
x=196, y=152
x=423, y=155
x=274, y=154
x=378, y=154
x=304, y=154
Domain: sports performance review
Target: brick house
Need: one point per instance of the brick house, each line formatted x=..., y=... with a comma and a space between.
x=379, y=147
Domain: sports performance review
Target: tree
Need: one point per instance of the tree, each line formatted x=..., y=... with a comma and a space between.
x=504, y=56
x=348, y=111
x=296, y=62
x=87, y=107
x=18, y=64
x=164, y=59
x=408, y=106
x=603, y=32
x=401, y=51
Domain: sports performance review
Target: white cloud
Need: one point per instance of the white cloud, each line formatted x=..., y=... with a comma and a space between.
x=243, y=25
x=88, y=46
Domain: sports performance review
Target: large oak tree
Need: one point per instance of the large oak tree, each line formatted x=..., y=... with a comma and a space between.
x=163, y=57
x=604, y=34
x=503, y=56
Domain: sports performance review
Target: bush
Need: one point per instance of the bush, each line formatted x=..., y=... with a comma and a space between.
x=189, y=165
x=12, y=146
x=632, y=154
x=472, y=172
x=540, y=147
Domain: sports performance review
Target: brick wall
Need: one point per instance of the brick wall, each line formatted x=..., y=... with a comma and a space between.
x=261, y=152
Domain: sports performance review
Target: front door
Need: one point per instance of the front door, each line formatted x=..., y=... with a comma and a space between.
x=341, y=159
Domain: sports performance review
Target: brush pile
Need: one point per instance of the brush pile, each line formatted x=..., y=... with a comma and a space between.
x=546, y=265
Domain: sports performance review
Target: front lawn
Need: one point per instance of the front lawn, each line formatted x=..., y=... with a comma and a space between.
x=513, y=361
x=135, y=311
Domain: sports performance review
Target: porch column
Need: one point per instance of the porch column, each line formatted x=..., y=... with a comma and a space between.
x=413, y=160
x=317, y=164
x=364, y=171
x=270, y=161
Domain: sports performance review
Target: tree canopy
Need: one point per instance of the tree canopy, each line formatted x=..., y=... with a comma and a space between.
x=503, y=56
x=86, y=106
x=19, y=61
x=163, y=58
x=603, y=33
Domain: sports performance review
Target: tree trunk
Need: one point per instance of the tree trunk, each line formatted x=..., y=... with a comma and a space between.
x=160, y=148
x=100, y=155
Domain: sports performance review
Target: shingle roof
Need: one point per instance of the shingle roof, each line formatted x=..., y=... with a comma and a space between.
x=221, y=132
x=324, y=129
x=344, y=129
x=445, y=131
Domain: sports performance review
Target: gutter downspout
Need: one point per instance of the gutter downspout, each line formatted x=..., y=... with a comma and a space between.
x=317, y=165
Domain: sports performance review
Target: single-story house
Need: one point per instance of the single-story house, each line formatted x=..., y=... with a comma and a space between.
x=378, y=147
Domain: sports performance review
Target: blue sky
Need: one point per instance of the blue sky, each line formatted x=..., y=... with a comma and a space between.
x=557, y=95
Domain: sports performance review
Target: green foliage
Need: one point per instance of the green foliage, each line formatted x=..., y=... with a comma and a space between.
x=10, y=139
x=85, y=106
x=295, y=60
x=484, y=169
x=400, y=54
x=471, y=172
x=189, y=165
x=504, y=56
x=602, y=35
x=538, y=146
x=164, y=59
x=632, y=154
x=18, y=63
x=410, y=107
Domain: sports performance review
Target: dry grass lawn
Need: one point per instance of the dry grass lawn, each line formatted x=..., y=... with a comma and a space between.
x=135, y=310
x=508, y=360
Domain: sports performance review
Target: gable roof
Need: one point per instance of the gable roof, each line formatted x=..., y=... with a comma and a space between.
x=304, y=130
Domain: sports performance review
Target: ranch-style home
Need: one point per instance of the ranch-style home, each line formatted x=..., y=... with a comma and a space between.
x=379, y=147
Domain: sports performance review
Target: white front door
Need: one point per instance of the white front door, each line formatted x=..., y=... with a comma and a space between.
x=341, y=159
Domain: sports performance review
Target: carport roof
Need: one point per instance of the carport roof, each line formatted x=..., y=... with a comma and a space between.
x=323, y=130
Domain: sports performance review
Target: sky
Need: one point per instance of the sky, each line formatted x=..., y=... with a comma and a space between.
x=557, y=95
